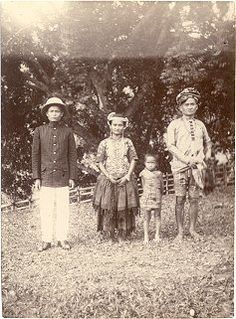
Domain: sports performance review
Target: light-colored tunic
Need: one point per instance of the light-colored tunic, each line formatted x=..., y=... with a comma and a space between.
x=181, y=144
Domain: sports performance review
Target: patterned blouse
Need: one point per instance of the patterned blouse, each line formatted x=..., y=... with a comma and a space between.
x=116, y=155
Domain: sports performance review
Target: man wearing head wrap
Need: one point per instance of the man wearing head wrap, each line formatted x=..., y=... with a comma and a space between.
x=189, y=143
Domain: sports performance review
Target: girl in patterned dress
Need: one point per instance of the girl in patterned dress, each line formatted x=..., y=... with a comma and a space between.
x=116, y=194
x=152, y=183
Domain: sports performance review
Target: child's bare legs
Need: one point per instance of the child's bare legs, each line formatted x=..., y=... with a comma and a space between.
x=179, y=215
x=157, y=221
x=147, y=217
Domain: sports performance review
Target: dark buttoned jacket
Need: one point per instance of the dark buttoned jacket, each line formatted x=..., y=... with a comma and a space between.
x=54, y=155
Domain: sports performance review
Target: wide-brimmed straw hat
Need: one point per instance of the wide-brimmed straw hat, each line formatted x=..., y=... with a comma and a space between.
x=53, y=101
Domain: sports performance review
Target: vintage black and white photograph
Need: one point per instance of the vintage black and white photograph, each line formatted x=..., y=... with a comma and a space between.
x=118, y=165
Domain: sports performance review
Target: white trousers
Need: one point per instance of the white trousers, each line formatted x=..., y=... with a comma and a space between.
x=54, y=211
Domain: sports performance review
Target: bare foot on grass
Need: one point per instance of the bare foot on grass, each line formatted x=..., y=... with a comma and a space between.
x=179, y=238
x=195, y=236
x=157, y=239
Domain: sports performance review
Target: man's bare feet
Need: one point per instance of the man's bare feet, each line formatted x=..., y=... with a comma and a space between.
x=157, y=239
x=195, y=235
x=179, y=238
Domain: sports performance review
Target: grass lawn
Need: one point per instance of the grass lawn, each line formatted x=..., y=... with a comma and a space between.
x=129, y=280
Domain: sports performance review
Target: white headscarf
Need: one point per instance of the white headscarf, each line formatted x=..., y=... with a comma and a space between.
x=114, y=115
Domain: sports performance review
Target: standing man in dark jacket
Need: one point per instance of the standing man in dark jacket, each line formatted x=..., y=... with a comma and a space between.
x=54, y=171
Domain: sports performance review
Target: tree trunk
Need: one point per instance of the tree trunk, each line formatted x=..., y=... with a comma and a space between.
x=135, y=104
x=85, y=134
x=101, y=82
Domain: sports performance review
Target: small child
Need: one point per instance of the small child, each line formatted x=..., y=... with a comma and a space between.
x=152, y=183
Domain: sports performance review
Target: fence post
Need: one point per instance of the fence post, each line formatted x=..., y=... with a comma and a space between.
x=167, y=184
x=78, y=194
x=219, y=178
x=30, y=203
x=225, y=174
x=213, y=172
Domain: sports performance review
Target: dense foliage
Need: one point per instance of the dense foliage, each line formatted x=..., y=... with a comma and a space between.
x=132, y=57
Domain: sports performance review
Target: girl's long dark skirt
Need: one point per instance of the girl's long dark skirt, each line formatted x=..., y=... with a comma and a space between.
x=116, y=206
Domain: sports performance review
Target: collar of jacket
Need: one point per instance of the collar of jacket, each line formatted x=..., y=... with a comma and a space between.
x=55, y=124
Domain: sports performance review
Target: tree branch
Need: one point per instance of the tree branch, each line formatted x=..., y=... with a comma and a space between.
x=101, y=82
x=36, y=84
x=85, y=134
x=40, y=69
